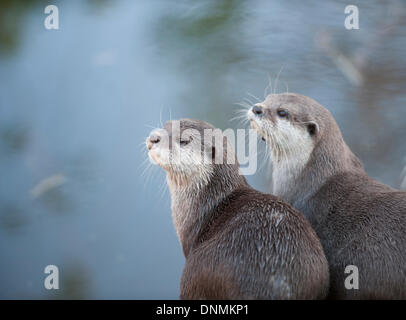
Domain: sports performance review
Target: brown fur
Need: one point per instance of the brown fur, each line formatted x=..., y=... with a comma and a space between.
x=359, y=221
x=243, y=244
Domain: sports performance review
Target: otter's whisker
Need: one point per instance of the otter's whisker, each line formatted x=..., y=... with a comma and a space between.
x=163, y=189
x=147, y=167
x=286, y=86
x=242, y=117
x=248, y=101
x=160, y=117
x=256, y=98
x=269, y=86
x=243, y=104
x=277, y=79
x=241, y=111
x=151, y=127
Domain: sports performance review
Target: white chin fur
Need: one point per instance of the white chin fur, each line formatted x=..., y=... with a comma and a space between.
x=256, y=124
x=159, y=156
x=184, y=164
x=296, y=147
x=151, y=159
x=290, y=145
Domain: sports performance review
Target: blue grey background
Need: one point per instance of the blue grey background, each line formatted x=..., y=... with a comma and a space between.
x=77, y=103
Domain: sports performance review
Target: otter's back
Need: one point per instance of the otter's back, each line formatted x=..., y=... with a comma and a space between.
x=265, y=249
x=363, y=224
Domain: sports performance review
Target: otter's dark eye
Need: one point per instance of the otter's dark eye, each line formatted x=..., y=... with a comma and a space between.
x=312, y=128
x=184, y=142
x=282, y=113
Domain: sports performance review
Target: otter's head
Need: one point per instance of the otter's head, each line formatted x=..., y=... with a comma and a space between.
x=291, y=124
x=190, y=151
x=302, y=135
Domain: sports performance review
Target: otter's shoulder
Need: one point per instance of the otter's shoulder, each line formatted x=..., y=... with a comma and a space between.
x=356, y=185
x=252, y=208
x=356, y=201
x=251, y=201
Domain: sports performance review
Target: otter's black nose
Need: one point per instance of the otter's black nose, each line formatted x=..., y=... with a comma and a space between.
x=257, y=110
x=153, y=139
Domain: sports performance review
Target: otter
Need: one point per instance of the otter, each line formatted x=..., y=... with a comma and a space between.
x=361, y=223
x=238, y=242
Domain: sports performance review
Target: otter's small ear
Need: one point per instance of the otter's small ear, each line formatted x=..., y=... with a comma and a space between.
x=312, y=128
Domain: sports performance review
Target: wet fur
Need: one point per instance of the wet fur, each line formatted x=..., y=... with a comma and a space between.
x=359, y=221
x=243, y=244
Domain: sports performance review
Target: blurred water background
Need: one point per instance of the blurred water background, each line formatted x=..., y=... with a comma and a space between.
x=77, y=103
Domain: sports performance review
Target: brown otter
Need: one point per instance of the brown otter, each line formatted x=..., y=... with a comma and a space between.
x=238, y=242
x=360, y=221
